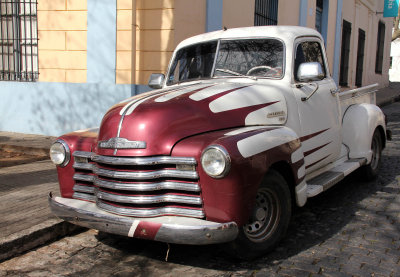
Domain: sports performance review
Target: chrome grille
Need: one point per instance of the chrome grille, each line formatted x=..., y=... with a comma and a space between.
x=139, y=186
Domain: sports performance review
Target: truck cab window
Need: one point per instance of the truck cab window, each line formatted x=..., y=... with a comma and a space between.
x=193, y=62
x=308, y=51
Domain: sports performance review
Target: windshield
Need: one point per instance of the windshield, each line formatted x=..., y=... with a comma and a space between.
x=252, y=58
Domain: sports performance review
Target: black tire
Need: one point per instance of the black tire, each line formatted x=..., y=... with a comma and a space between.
x=370, y=171
x=269, y=221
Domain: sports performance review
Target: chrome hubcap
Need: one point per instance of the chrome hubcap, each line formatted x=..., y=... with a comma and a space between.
x=265, y=216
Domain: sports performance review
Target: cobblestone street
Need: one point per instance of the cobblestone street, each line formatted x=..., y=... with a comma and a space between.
x=352, y=229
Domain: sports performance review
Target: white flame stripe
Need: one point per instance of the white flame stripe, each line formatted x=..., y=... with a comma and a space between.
x=297, y=155
x=141, y=97
x=206, y=93
x=244, y=130
x=173, y=94
x=265, y=141
x=301, y=172
x=247, y=97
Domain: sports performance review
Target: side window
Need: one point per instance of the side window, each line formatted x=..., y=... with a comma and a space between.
x=308, y=51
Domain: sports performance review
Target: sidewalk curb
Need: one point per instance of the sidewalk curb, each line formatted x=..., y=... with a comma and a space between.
x=35, y=236
x=34, y=151
x=389, y=101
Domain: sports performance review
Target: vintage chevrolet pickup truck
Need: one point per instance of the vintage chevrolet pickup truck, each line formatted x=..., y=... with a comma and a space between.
x=246, y=123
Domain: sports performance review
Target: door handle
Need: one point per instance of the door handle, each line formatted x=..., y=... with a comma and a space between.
x=334, y=91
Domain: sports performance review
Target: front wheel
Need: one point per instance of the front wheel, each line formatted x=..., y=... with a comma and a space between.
x=269, y=220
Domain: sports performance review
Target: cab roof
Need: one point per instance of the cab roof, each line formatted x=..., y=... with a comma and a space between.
x=286, y=33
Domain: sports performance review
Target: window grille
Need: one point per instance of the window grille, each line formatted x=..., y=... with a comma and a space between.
x=266, y=12
x=360, y=57
x=318, y=15
x=18, y=40
x=345, y=55
x=380, y=47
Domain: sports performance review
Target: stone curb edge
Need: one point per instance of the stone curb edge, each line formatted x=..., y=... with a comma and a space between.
x=35, y=236
x=34, y=151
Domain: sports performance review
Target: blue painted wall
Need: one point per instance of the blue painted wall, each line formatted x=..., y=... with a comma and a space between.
x=56, y=108
x=213, y=15
x=101, y=41
x=303, y=13
x=338, y=41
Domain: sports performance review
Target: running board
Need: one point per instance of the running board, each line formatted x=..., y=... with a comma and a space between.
x=330, y=178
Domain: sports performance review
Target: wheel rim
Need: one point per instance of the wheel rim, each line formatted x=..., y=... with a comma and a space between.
x=376, y=153
x=265, y=217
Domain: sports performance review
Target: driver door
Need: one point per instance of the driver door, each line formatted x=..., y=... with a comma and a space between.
x=320, y=114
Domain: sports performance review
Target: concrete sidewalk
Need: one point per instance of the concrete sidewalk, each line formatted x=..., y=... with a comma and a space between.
x=26, y=221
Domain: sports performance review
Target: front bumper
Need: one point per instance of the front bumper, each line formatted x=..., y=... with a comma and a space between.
x=171, y=229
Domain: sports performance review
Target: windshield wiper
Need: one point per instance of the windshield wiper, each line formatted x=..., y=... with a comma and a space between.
x=235, y=73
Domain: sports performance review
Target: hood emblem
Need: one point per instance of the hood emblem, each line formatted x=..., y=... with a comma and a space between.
x=122, y=143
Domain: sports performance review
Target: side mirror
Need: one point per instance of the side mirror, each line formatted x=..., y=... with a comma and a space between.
x=309, y=72
x=156, y=80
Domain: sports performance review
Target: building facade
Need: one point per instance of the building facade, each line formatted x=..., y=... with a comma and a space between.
x=64, y=62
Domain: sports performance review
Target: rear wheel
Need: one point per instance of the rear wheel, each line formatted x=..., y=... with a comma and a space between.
x=268, y=222
x=370, y=171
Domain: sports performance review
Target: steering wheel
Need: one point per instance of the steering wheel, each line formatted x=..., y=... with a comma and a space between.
x=257, y=68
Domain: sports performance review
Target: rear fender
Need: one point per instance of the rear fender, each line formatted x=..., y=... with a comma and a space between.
x=252, y=151
x=359, y=124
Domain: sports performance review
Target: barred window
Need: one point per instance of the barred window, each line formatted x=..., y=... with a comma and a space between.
x=379, y=48
x=266, y=12
x=18, y=40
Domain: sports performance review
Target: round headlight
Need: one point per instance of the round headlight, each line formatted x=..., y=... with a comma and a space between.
x=60, y=153
x=215, y=161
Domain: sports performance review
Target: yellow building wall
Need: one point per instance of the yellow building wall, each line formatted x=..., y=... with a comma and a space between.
x=62, y=33
x=124, y=50
x=155, y=30
x=159, y=26
x=238, y=13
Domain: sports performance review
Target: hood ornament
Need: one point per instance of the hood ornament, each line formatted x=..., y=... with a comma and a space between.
x=121, y=143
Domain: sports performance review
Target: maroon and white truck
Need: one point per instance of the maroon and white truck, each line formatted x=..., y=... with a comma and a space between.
x=246, y=123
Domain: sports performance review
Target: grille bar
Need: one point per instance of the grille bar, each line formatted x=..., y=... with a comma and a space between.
x=135, y=161
x=147, y=186
x=83, y=177
x=151, y=212
x=165, y=173
x=144, y=199
x=85, y=189
x=84, y=196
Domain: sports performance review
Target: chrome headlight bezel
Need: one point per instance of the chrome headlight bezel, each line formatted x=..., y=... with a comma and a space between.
x=66, y=153
x=223, y=154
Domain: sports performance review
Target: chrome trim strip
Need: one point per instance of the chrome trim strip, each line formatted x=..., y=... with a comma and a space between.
x=135, y=160
x=84, y=196
x=144, y=161
x=144, y=199
x=174, y=229
x=85, y=189
x=165, y=173
x=84, y=166
x=147, y=186
x=83, y=154
x=150, y=212
x=83, y=177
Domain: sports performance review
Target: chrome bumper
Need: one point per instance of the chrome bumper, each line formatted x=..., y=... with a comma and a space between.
x=171, y=229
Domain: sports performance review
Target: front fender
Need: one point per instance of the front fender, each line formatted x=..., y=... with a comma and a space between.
x=252, y=151
x=359, y=124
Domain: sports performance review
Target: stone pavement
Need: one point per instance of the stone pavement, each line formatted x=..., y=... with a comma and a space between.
x=26, y=187
x=26, y=221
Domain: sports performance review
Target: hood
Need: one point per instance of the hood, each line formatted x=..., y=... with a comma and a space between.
x=152, y=123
